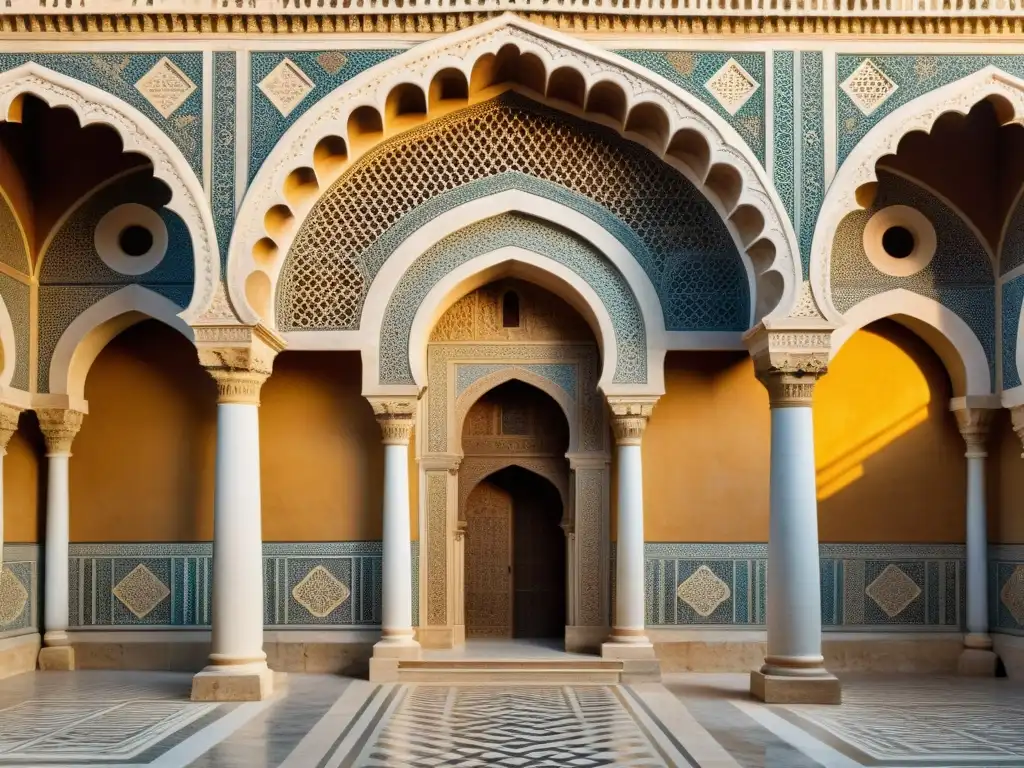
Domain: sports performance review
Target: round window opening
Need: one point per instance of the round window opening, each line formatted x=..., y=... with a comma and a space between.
x=898, y=242
x=135, y=240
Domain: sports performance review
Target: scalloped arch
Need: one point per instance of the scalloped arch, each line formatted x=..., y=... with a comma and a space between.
x=138, y=134
x=859, y=168
x=686, y=134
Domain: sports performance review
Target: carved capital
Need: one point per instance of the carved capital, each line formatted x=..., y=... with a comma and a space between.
x=788, y=361
x=629, y=418
x=8, y=424
x=396, y=417
x=1017, y=419
x=59, y=427
x=239, y=358
x=974, y=425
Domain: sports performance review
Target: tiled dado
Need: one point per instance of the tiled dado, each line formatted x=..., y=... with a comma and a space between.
x=1006, y=585
x=335, y=584
x=19, y=590
x=863, y=586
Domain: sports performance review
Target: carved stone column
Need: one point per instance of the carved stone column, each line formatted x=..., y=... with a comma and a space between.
x=788, y=362
x=239, y=358
x=59, y=427
x=9, y=415
x=396, y=417
x=628, y=639
x=977, y=658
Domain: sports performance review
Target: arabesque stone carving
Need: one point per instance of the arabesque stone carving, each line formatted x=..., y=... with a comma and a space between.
x=788, y=361
x=59, y=427
x=629, y=418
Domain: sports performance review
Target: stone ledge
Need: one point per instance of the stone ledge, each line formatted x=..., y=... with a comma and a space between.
x=776, y=689
x=19, y=654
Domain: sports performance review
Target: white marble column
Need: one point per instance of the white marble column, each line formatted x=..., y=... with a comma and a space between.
x=9, y=415
x=977, y=658
x=788, y=365
x=59, y=427
x=398, y=638
x=628, y=638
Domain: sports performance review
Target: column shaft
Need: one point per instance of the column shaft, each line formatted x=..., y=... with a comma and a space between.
x=397, y=556
x=977, y=554
x=55, y=564
x=628, y=625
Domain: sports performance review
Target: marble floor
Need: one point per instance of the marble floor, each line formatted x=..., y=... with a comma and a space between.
x=135, y=719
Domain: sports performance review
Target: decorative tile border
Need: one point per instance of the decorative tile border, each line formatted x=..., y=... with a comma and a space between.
x=1006, y=588
x=222, y=182
x=863, y=586
x=19, y=590
x=328, y=584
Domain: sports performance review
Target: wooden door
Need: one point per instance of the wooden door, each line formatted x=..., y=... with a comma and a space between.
x=539, y=560
x=489, y=562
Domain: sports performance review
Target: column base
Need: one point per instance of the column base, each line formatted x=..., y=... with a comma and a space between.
x=627, y=651
x=397, y=648
x=57, y=658
x=779, y=689
x=975, y=662
x=236, y=682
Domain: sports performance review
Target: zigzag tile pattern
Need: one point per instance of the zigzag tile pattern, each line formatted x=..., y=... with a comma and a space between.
x=523, y=727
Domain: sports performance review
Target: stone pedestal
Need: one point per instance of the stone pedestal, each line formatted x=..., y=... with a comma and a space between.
x=57, y=658
x=779, y=689
x=236, y=682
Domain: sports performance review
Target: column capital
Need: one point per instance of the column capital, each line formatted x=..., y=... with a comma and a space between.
x=789, y=360
x=974, y=425
x=396, y=417
x=1017, y=419
x=238, y=357
x=8, y=424
x=59, y=427
x=629, y=417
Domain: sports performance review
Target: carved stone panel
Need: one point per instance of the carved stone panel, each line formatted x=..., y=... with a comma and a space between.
x=489, y=562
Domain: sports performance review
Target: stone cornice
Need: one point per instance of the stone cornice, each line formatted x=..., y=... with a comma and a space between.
x=617, y=20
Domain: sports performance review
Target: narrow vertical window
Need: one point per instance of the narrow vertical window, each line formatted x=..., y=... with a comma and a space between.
x=510, y=310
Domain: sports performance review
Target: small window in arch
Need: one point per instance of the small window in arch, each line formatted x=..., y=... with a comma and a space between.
x=510, y=310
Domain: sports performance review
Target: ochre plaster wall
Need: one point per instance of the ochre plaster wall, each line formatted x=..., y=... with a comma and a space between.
x=23, y=489
x=889, y=456
x=143, y=463
x=1006, y=483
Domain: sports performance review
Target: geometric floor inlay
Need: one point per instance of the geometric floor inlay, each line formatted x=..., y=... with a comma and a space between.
x=513, y=727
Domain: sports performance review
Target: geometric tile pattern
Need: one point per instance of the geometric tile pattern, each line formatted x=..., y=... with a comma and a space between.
x=732, y=86
x=141, y=591
x=704, y=591
x=165, y=87
x=893, y=590
x=581, y=726
x=286, y=86
x=1012, y=594
x=923, y=720
x=868, y=87
x=13, y=596
x=320, y=592
x=19, y=590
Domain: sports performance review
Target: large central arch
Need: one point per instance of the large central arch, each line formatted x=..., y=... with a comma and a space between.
x=563, y=73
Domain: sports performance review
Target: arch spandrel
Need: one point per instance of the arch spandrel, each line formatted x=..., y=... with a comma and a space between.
x=742, y=194
x=138, y=134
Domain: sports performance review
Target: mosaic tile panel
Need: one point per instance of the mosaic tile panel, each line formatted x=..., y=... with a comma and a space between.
x=326, y=69
x=1006, y=588
x=13, y=250
x=16, y=296
x=1012, y=302
x=783, y=130
x=693, y=71
x=222, y=183
x=118, y=73
x=810, y=143
x=19, y=590
x=913, y=77
x=959, y=276
x=886, y=586
x=562, y=374
x=1011, y=255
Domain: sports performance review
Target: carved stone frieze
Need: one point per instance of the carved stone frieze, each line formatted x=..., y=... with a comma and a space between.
x=974, y=425
x=629, y=418
x=396, y=417
x=9, y=415
x=59, y=427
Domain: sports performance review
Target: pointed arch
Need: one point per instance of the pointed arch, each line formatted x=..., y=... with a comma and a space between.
x=92, y=330
x=656, y=113
x=474, y=470
x=940, y=327
x=860, y=167
x=138, y=134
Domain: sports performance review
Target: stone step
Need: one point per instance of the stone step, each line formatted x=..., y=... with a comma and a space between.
x=518, y=671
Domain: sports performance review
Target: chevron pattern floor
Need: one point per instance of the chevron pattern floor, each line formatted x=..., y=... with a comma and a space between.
x=523, y=727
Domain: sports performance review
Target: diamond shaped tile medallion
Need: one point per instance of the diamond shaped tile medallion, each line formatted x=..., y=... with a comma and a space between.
x=286, y=86
x=868, y=87
x=1012, y=594
x=13, y=597
x=165, y=87
x=703, y=591
x=320, y=592
x=893, y=591
x=141, y=591
x=732, y=86
x=331, y=61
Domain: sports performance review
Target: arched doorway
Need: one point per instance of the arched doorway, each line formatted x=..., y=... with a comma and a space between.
x=515, y=557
